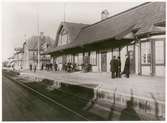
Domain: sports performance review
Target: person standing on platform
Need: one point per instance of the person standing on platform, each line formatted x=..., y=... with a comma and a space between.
x=35, y=67
x=30, y=67
x=127, y=67
x=55, y=66
x=51, y=66
x=42, y=66
x=119, y=67
x=112, y=67
x=116, y=67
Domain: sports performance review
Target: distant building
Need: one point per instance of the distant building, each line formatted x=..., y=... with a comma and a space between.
x=139, y=32
x=16, y=61
x=30, y=48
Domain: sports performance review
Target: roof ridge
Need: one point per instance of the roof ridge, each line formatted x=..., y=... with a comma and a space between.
x=117, y=14
x=75, y=23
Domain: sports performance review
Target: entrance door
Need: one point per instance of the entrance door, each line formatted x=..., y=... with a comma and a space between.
x=132, y=61
x=86, y=58
x=131, y=51
x=104, y=62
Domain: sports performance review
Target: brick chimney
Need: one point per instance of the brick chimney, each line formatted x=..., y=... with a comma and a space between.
x=104, y=14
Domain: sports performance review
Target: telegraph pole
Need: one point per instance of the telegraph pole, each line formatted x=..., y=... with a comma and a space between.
x=64, y=12
x=38, y=38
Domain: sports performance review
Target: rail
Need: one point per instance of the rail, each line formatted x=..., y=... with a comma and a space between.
x=48, y=98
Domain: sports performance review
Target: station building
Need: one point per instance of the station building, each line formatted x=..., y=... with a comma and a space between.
x=139, y=32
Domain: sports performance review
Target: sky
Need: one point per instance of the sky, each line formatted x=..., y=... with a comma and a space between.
x=20, y=19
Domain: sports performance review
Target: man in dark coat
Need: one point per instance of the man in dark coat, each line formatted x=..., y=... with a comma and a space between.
x=127, y=67
x=113, y=67
x=51, y=66
x=42, y=66
x=116, y=67
x=55, y=66
x=118, y=72
x=30, y=67
x=35, y=67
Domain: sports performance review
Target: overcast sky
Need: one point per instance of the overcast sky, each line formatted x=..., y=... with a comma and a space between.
x=20, y=19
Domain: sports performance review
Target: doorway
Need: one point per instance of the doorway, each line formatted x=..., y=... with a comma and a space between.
x=131, y=53
x=103, y=61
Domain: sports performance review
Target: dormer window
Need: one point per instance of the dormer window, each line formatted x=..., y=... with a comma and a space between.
x=47, y=45
x=63, y=37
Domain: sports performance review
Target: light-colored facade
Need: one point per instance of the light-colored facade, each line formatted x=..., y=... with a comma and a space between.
x=30, y=48
x=17, y=60
x=146, y=57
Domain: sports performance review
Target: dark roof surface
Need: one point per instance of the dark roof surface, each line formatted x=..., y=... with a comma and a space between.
x=142, y=19
x=142, y=16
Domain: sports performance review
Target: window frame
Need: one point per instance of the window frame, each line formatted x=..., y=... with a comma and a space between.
x=92, y=60
x=146, y=64
x=161, y=40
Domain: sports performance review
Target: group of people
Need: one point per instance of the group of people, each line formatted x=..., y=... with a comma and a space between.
x=33, y=67
x=115, y=67
x=49, y=66
x=69, y=67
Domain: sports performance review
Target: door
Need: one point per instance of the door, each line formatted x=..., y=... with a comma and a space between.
x=103, y=62
x=131, y=52
x=132, y=62
x=86, y=58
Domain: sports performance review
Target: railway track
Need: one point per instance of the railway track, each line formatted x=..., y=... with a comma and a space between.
x=48, y=98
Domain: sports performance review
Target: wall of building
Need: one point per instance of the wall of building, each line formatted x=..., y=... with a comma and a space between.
x=157, y=53
x=138, y=50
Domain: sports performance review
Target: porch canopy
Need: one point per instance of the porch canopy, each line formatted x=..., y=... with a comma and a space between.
x=117, y=30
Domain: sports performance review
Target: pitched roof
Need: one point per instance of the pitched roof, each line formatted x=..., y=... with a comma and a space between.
x=32, y=42
x=141, y=16
x=72, y=28
x=142, y=19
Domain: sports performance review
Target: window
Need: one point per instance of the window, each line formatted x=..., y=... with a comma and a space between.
x=116, y=52
x=93, y=58
x=64, y=39
x=159, y=52
x=146, y=52
x=69, y=58
x=45, y=46
x=80, y=58
x=76, y=59
x=59, y=40
x=59, y=60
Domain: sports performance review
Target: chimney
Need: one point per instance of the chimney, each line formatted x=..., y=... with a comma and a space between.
x=104, y=14
x=41, y=35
